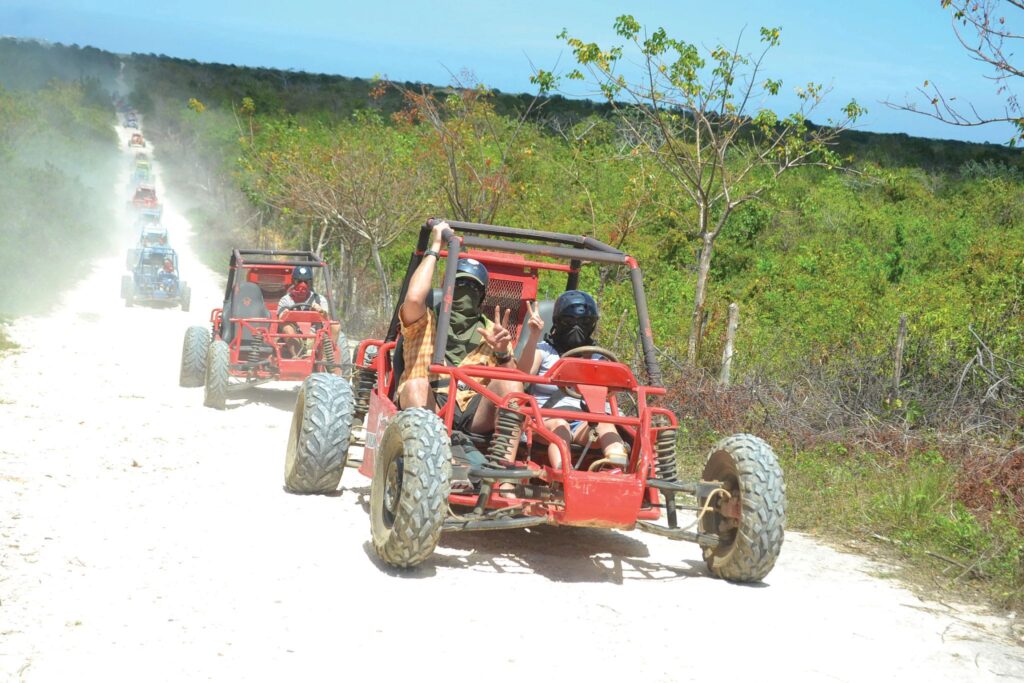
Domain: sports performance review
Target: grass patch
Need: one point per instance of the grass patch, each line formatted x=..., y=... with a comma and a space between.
x=6, y=343
x=910, y=505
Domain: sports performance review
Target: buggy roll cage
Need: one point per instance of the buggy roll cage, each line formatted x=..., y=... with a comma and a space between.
x=577, y=249
x=248, y=258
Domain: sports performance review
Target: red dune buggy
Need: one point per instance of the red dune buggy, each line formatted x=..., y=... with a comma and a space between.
x=145, y=197
x=249, y=340
x=136, y=140
x=419, y=490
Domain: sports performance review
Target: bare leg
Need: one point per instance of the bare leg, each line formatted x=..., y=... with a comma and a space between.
x=483, y=419
x=608, y=440
x=415, y=393
x=292, y=347
x=561, y=429
x=607, y=435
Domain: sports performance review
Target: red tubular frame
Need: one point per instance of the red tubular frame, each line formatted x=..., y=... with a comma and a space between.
x=603, y=498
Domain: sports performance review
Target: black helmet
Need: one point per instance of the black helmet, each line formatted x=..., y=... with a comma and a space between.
x=573, y=321
x=472, y=269
x=573, y=303
x=302, y=274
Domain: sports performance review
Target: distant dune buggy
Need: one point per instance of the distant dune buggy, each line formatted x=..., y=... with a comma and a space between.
x=739, y=500
x=140, y=176
x=247, y=341
x=145, y=198
x=154, y=280
x=136, y=139
x=150, y=235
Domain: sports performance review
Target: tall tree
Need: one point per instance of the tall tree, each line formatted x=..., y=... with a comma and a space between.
x=473, y=144
x=703, y=117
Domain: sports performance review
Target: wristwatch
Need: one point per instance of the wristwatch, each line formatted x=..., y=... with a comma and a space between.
x=431, y=252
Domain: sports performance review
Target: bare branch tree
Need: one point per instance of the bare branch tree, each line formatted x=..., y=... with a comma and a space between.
x=985, y=32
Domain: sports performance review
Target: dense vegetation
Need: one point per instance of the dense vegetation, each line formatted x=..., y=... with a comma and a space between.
x=57, y=154
x=823, y=269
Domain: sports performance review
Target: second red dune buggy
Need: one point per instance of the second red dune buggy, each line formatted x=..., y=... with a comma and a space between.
x=145, y=198
x=136, y=140
x=250, y=341
x=424, y=484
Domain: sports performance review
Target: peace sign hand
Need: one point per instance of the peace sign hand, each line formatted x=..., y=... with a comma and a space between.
x=534, y=322
x=498, y=338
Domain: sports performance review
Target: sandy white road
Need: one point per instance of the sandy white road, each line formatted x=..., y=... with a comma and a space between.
x=144, y=537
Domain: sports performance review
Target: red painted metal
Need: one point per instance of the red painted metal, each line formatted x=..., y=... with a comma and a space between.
x=610, y=498
x=314, y=327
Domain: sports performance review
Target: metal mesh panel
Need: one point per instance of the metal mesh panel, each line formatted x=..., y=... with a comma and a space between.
x=506, y=294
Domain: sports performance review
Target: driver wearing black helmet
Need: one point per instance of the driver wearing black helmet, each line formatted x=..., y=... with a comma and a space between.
x=574, y=320
x=473, y=339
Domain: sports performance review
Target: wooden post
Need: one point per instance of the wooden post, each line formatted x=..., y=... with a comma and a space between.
x=901, y=341
x=730, y=340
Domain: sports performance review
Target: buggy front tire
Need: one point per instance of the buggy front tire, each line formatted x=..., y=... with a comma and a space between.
x=750, y=544
x=319, y=436
x=215, y=391
x=409, y=492
x=185, y=297
x=193, y=356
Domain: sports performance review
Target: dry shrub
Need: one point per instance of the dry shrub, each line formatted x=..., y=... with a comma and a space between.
x=968, y=412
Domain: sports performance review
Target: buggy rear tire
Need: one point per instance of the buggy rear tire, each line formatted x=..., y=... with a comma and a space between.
x=319, y=436
x=748, y=547
x=126, y=284
x=185, y=297
x=409, y=492
x=218, y=360
x=193, y=356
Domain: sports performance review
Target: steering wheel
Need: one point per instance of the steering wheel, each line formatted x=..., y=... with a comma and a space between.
x=298, y=307
x=581, y=351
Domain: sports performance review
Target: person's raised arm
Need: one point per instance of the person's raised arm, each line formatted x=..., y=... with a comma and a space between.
x=415, y=305
x=529, y=359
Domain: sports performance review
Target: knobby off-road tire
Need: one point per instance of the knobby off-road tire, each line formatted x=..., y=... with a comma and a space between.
x=193, y=356
x=218, y=358
x=749, y=469
x=409, y=494
x=185, y=297
x=318, y=440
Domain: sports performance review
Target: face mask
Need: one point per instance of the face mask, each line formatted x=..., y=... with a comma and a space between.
x=300, y=292
x=571, y=334
x=466, y=300
x=466, y=318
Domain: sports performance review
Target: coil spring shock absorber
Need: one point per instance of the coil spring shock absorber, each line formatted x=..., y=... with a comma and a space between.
x=366, y=380
x=508, y=425
x=329, y=352
x=665, y=467
x=255, y=353
x=665, y=455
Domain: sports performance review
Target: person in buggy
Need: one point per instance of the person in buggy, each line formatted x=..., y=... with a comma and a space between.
x=473, y=339
x=300, y=296
x=574, y=320
x=168, y=265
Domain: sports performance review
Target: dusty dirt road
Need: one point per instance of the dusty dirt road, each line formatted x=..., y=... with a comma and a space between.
x=144, y=537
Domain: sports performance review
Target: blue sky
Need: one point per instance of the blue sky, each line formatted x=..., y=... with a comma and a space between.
x=871, y=50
